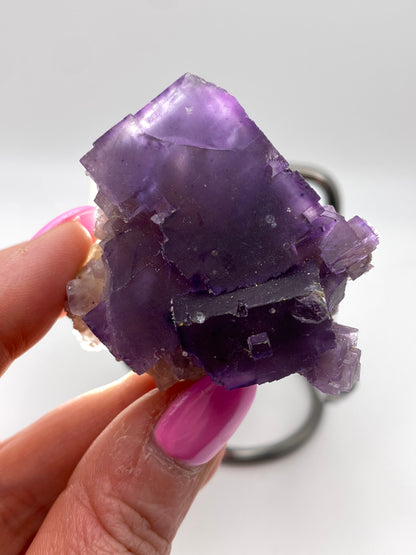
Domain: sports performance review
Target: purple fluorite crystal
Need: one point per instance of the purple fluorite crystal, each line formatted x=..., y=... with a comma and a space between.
x=214, y=255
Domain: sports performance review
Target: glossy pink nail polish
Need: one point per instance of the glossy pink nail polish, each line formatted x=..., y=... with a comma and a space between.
x=201, y=420
x=85, y=215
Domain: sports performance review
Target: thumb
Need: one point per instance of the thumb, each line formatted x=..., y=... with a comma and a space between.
x=134, y=485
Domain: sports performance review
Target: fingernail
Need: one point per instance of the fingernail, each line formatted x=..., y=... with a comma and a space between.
x=201, y=420
x=85, y=215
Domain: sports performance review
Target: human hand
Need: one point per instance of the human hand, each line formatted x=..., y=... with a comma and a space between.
x=114, y=470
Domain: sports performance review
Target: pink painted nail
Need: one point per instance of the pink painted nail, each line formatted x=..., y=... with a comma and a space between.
x=85, y=215
x=201, y=420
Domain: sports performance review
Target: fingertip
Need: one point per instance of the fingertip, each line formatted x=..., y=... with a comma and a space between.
x=85, y=215
x=198, y=424
x=71, y=234
x=33, y=278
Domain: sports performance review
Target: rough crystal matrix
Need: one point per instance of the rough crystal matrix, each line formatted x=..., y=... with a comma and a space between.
x=214, y=256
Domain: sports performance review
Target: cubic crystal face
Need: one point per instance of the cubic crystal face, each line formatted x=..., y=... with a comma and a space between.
x=214, y=255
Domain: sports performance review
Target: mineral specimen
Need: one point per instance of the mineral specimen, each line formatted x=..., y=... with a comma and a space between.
x=214, y=256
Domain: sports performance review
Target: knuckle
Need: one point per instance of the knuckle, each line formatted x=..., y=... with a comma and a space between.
x=122, y=528
x=146, y=538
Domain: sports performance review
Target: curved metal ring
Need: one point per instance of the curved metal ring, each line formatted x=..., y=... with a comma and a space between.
x=322, y=179
x=285, y=446
x=275, y=450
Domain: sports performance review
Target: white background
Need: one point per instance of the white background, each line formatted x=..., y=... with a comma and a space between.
x=329, y=83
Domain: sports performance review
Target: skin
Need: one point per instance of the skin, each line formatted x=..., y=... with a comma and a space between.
x=87, y=477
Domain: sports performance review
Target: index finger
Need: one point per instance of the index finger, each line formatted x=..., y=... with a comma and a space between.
x=33, y=278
